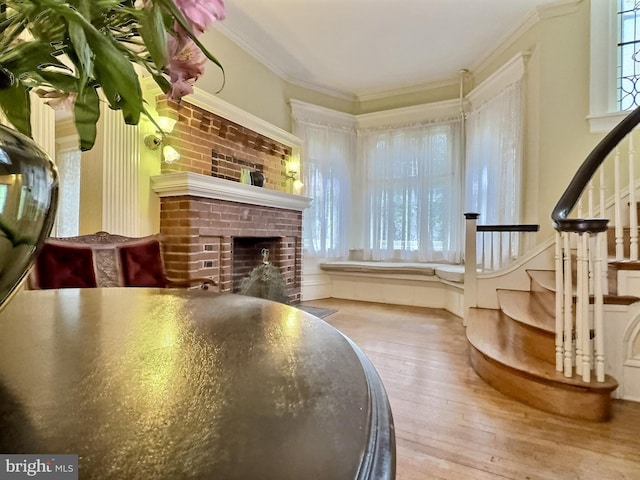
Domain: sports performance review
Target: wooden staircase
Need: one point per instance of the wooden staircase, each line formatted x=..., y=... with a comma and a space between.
x=513, y=350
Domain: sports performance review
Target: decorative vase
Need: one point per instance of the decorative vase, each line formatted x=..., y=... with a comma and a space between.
x=257, y=178
x=28, y=200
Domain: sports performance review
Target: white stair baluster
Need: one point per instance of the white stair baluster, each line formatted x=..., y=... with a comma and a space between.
x=582, y=322
x=582, y=300
x=598, y=313
x=559, y=304
x=604, y=241
x=568, y=302
x=633, y=212
x=617, y=202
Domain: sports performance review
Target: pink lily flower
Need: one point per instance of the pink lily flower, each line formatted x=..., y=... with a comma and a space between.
x=201, y=13
x=186, y=65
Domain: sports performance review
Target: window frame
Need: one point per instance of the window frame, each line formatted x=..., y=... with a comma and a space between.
x=603, y=81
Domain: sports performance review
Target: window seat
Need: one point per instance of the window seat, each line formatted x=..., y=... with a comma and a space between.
x=438, y=271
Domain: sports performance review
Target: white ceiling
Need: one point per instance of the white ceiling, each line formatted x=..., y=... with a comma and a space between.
x=361, y=48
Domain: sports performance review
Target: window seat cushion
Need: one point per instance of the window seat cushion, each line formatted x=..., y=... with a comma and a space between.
x=447, y=272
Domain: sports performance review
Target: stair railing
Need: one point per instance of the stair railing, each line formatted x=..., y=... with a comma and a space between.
x=491, y=248
x=581, y=282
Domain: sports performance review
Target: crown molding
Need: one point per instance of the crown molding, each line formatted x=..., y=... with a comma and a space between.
x=509, y=73
x=309, y=112
x=408, y=89
x=559, y=8
x=413, y=114
x=263, y=60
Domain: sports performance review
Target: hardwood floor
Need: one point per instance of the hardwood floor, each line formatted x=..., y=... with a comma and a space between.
x=451, y=425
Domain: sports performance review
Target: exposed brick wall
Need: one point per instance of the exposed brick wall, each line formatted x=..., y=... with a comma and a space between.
x=199, y=233
x=199, y=238
x=212, y=145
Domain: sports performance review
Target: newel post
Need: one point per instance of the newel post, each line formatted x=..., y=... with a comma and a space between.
x=470, y=265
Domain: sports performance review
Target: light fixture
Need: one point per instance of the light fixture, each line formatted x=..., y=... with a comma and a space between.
x=155, y=140
x=292, y=169
x=170, y=154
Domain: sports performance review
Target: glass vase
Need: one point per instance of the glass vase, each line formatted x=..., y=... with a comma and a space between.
x=28, y=200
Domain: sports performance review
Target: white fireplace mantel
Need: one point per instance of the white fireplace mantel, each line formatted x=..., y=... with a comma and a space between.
x=195, y=184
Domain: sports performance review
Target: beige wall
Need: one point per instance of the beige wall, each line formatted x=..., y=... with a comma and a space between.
x=249, y=85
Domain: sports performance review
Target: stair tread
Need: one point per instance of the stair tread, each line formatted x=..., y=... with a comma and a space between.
x=544, y=278
x=523, y=307
x=547, y=280
x=487, y=334
x=625, y=264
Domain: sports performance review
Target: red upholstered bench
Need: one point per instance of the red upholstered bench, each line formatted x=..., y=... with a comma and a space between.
x=104, y=260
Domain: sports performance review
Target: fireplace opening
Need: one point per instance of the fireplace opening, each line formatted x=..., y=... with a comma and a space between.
x=247, y=255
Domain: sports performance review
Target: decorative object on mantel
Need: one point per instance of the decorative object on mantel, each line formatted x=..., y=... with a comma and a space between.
x=66, y=52
x=257, y=178
x=245, y=176
x=28, y=198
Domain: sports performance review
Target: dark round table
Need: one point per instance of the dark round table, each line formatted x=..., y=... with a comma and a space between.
x=171, y=384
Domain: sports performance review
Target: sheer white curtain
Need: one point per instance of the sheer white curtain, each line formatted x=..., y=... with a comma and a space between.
x=68, y=213
x=411, y=189
x=494, y=172
x=329, y=153
x=494, y=157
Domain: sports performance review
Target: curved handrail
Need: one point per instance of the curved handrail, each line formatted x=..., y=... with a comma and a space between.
x=582, y=177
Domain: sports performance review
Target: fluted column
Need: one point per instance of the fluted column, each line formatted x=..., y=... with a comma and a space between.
x=121, y=175
x=43, y=125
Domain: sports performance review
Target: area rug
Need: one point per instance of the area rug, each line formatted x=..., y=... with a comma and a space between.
x=316, y=311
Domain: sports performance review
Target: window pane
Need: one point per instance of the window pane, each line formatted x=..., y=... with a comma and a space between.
x=628, y=54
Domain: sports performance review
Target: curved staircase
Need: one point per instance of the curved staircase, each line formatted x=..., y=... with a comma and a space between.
x=513, y=350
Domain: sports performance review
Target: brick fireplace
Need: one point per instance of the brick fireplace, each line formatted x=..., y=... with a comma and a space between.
x=217, y=228
x=212, y=224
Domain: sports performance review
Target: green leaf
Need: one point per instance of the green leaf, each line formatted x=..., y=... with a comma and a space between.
x=83, y=53
x=16, y=105
x=86, y=111
x=27, y=57
x=162, y=82
x=113, y=70
x=154, y=35
x=59, y=80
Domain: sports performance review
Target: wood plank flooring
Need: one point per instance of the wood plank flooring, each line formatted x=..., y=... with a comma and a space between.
x=451, y=425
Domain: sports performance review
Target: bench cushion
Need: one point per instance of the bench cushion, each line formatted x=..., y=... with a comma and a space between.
x=451, y=273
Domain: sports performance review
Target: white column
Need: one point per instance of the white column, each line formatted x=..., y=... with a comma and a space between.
x=121, y=170
x=43, y=125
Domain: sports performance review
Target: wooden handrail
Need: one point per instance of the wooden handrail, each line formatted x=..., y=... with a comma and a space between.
x=582, y=177
x=526, y=227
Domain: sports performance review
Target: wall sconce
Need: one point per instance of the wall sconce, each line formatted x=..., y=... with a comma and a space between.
x=292, y=170
x=155, y=140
